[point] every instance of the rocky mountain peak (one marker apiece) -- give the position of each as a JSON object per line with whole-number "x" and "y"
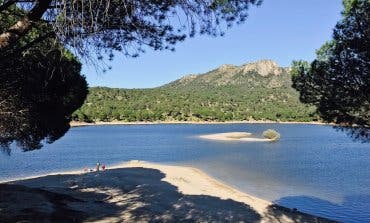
{"x": 228, "y": 73}
{"x": 263, "y": 67}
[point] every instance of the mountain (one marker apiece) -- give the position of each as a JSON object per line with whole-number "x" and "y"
{"x": 253, "y": 91}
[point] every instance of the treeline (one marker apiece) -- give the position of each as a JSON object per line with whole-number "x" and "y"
{"x": 252, "y": 97}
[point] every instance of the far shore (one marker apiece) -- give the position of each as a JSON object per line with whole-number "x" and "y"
{"x": 137, "y": 191}
{"x": 78, "y": 124}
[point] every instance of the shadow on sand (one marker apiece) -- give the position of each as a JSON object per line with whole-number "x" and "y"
{"x": 125, "y": 194}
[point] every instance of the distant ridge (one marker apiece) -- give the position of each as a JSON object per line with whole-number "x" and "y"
{"x": 258, "y": 90}
{"x": 227, "y": 73}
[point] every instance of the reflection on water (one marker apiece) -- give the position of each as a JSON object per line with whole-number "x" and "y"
{"x": 313, "y": 168}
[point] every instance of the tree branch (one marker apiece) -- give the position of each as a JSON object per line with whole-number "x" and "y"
{"x": 27, "y": 46}
{"x": 22, "y": 27}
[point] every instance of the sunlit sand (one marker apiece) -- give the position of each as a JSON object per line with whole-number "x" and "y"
{"x": 235, "y": 136}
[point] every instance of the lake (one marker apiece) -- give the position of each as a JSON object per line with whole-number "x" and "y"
{"x": 313, "y": 167}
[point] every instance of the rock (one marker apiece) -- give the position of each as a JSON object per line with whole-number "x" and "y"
{"x": 263, "y": 67}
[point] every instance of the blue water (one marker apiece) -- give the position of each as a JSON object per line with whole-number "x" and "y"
{"x": 312, "y": 168}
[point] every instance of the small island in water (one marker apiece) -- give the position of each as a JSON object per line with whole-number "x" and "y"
{"x": 269, "y": 135}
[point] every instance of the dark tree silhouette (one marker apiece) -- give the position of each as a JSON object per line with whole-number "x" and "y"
{"x": 338, "y": 81}
{"x": 38, "y": 94}
{"x": 40, "y": 88}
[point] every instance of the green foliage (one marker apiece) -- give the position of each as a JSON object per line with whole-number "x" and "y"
{"x": 338, "y": 81}
{"x": 323, "y": 53}
{"x": 271, "y": 134}
{"x": 348, "y": 5}
{"x": 219, "y": 95}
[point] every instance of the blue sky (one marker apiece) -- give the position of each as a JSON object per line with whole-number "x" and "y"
{"x": 281, "y": 30}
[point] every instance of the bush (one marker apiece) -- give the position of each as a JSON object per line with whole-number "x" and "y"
{"x": 271, "y": 134}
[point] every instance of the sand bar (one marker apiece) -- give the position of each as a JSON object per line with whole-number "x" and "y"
{"x": 234, "y": 136}
{"x": 137, "y": 191}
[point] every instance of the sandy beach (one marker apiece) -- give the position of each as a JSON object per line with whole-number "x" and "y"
{"x": 78, "y": 124}
{"x": 136, "y": 191}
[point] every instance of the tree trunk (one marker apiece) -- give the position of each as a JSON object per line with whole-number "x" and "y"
{"x": 15, "y": 32}
{"x": 21, "y": 28}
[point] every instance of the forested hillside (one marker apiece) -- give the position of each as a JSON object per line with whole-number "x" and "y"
{"x": 254, "y": 91}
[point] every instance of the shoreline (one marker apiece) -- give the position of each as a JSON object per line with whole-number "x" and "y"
{"x": 188, "y": 180}
{"x": 81, "y": 124}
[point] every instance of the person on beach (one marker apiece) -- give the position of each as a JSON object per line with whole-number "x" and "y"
{"x": 103, "y": 167}
{"x": 97, "y": 166}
